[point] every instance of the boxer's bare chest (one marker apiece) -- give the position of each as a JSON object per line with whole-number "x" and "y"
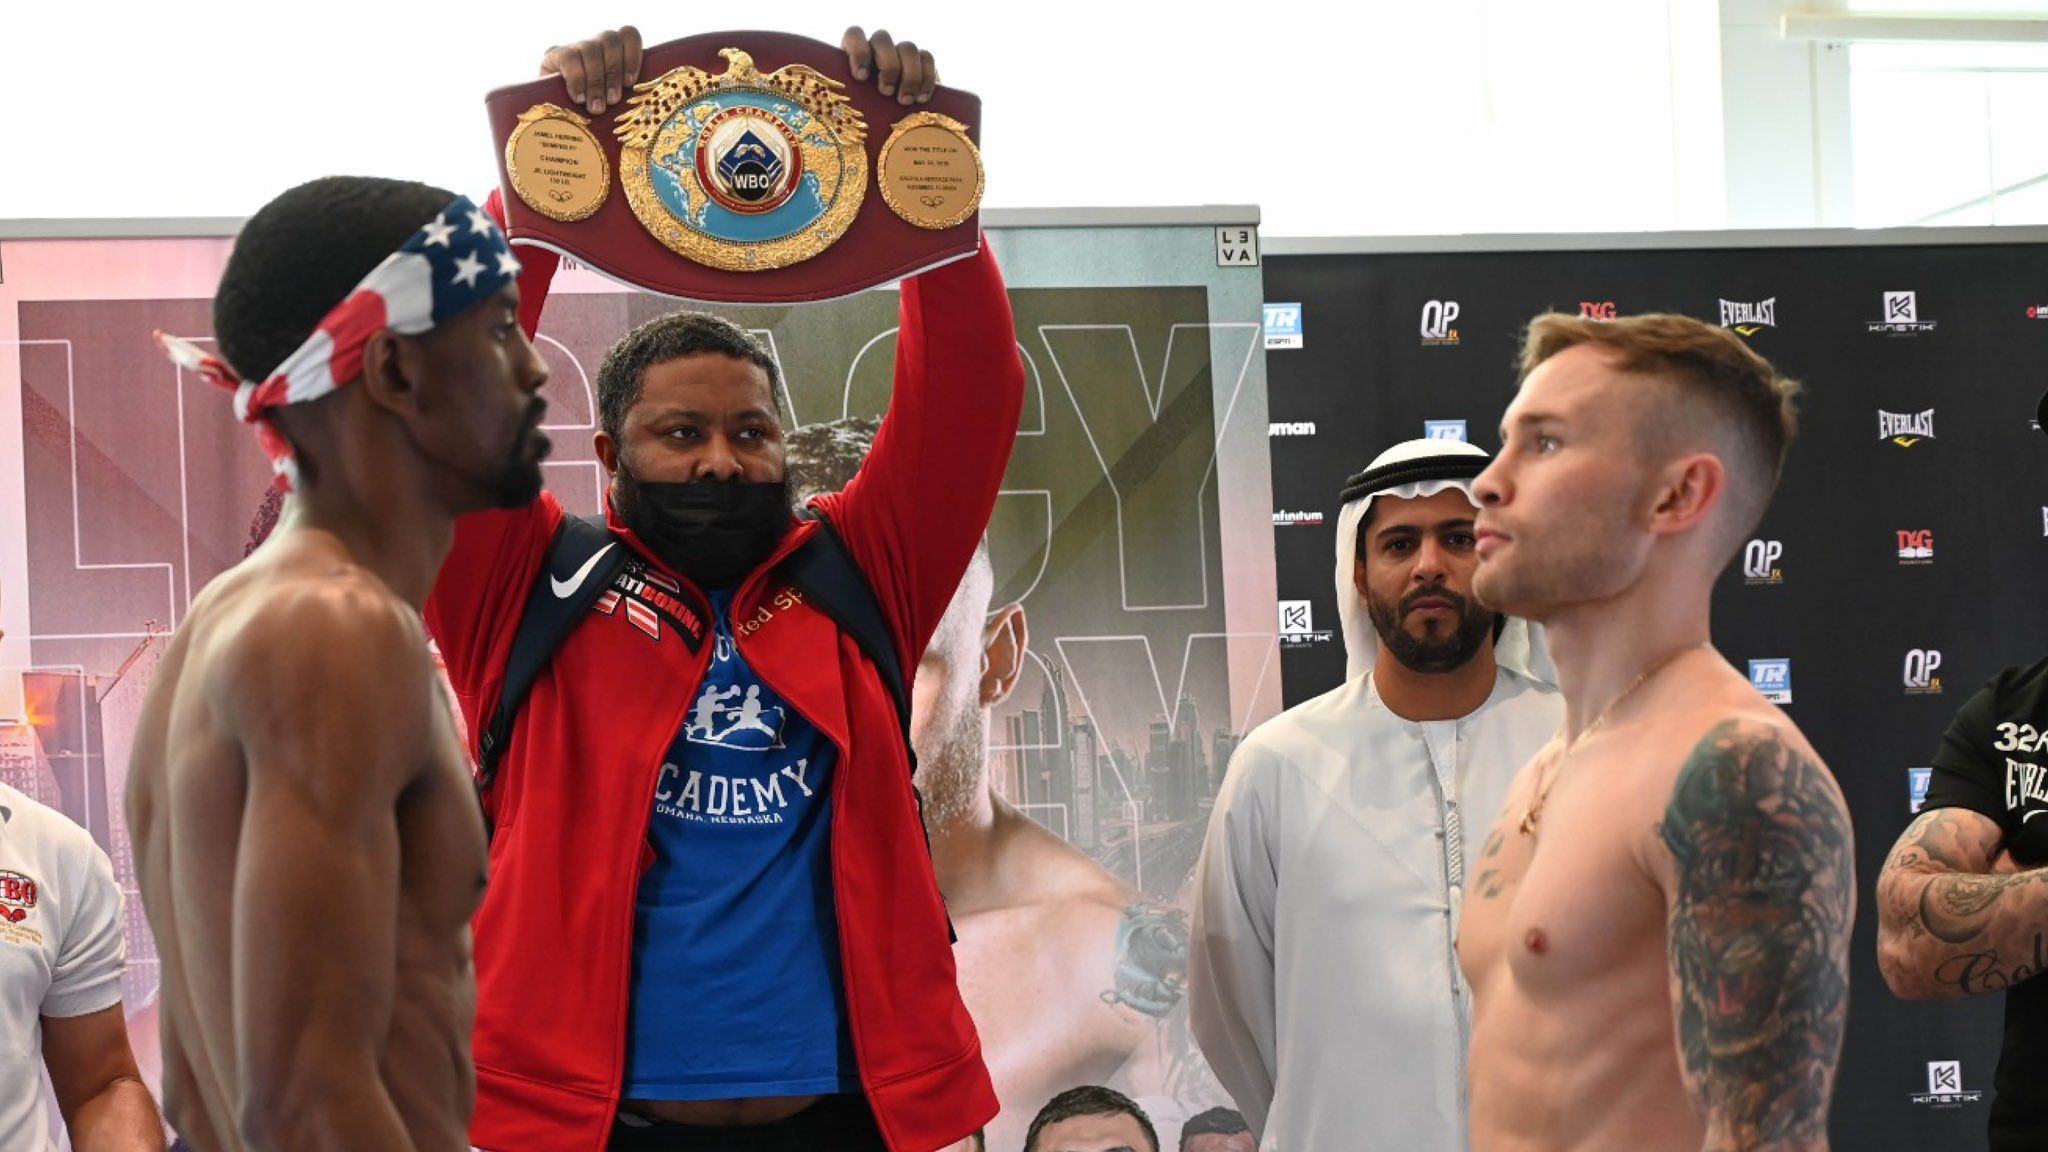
{"x": 1570, "y": 894}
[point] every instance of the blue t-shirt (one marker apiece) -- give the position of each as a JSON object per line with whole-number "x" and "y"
{"x": 736, "y": 982}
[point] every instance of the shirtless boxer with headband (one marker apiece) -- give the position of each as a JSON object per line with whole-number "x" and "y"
{"x": 305, "y": 828}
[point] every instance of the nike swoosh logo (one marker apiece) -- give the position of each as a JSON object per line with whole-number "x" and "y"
{"x": 567, "y": 588}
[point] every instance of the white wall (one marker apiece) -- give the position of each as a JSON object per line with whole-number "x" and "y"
{"x": 1378, "y": 116}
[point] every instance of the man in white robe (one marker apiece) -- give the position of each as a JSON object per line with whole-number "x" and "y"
{"x": 1324, "y": 984}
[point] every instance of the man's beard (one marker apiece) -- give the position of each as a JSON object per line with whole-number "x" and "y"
{"x": 518, "y": 483}
{"x": 952, "y": 767}
{"x": 1446, "y": 650}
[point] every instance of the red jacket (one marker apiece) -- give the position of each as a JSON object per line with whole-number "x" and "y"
{"x": 575, "y": 788}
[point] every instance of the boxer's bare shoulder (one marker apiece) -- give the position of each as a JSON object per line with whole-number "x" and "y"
{"x": 311, "y": 854}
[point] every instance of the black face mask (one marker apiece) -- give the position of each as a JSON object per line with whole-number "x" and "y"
{"x": 713, "y": 531}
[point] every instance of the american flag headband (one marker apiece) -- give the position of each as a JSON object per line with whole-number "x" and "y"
{"x": 454, "y": 262}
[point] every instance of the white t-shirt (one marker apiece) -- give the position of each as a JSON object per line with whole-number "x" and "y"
{"x": 61, "y": 951}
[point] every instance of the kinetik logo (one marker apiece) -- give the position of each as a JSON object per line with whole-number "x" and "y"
{"x": 1901, "y": 316}
{"x": 1905, "y": 428}
{"x": 1760, "y": 562}
{"x": 1749, "y": 319}
{"x": 1919, "y": 676}
{"x": 1596, "y": 310}
{"x": 1916, "y": 546}
{"x": 1298, "y": 626}
{"x": 1297, "y": 428}
{"x": 1284, "y": 519}
{"x": 1438, "y": 316}
{"x": 1945, "y": 1087}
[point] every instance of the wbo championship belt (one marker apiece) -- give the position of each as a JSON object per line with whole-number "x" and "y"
{"x": 749, "y": 169}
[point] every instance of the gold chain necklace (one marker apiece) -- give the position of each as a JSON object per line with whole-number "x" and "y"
{"x": 1535, "y": 811}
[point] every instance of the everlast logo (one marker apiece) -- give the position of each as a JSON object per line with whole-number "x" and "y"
{"x": 1905, "y": 428}
{"x": 1300, "y": 428}
{"x": 1601, "y": 310}
{"x": 1749, "y": 319}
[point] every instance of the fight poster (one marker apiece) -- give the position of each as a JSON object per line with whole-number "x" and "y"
{"x": 1132, "y": 540}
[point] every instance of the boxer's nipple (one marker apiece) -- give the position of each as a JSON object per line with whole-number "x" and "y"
{"x": 1537, "y": 942}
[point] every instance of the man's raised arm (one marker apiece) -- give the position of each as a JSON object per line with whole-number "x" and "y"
{"x": 1760, "y": 910}
{"x": 329, "y": 697}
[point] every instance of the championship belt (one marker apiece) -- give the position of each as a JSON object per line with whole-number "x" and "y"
{"x": 717, "y": 180}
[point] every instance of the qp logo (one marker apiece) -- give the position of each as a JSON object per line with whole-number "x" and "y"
{"x": 1760, "y": 562}
{"x": 1438, "y": 316}
{"x": 1919, "y": 676}
{"x": 1772, "y": 679}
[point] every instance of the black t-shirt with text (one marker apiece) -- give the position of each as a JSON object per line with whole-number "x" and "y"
{"x": 1994, "y": 762}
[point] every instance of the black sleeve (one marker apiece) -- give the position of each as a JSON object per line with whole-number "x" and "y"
{"x": 1969, "y": 772}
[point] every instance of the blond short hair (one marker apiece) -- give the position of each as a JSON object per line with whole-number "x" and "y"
{"x": 1746, "y": 405}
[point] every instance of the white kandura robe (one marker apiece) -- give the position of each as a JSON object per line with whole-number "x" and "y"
{"x": 1324, "y": 986}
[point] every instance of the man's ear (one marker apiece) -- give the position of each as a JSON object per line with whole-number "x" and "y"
{"x": 1002, "y": 654}
{"x": 1688, "y": 491}
{"x": 390, "y": 364}
{"x": 607, "y": 451}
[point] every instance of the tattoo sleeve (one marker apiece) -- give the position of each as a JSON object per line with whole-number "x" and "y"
{"x": 1951, "y": 923}
{"x": 1763, "y": 900}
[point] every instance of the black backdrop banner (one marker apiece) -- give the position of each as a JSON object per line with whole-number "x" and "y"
{"x": 1898, "y": 568}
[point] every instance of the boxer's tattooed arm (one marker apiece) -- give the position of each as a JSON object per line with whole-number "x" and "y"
{"x": 1951, "y": 921}
{"x": 1762, "y": 902}
{"x": 1151, "y": 959}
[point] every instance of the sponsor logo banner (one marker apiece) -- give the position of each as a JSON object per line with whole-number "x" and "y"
{"x": 1438, "y": 318}
{"x": 1772, "y": 678}
{"x": 1760, "y": 562}
{"x": 1283, "y": 326}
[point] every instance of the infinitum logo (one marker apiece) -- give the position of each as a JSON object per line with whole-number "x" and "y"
{"x": 1919, "y": 674}
{"x": 1901, "y": 316}
{"x": 1905, "y": 428}
{"x": 1298, "y": 428}
{"x": 1945, "y": 1087}
{"x": 1438, "y": 316}
{"x": 1749, "y": 319}
{"x": 1285, "y": 519}
{"x": 1760, "y": 562}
